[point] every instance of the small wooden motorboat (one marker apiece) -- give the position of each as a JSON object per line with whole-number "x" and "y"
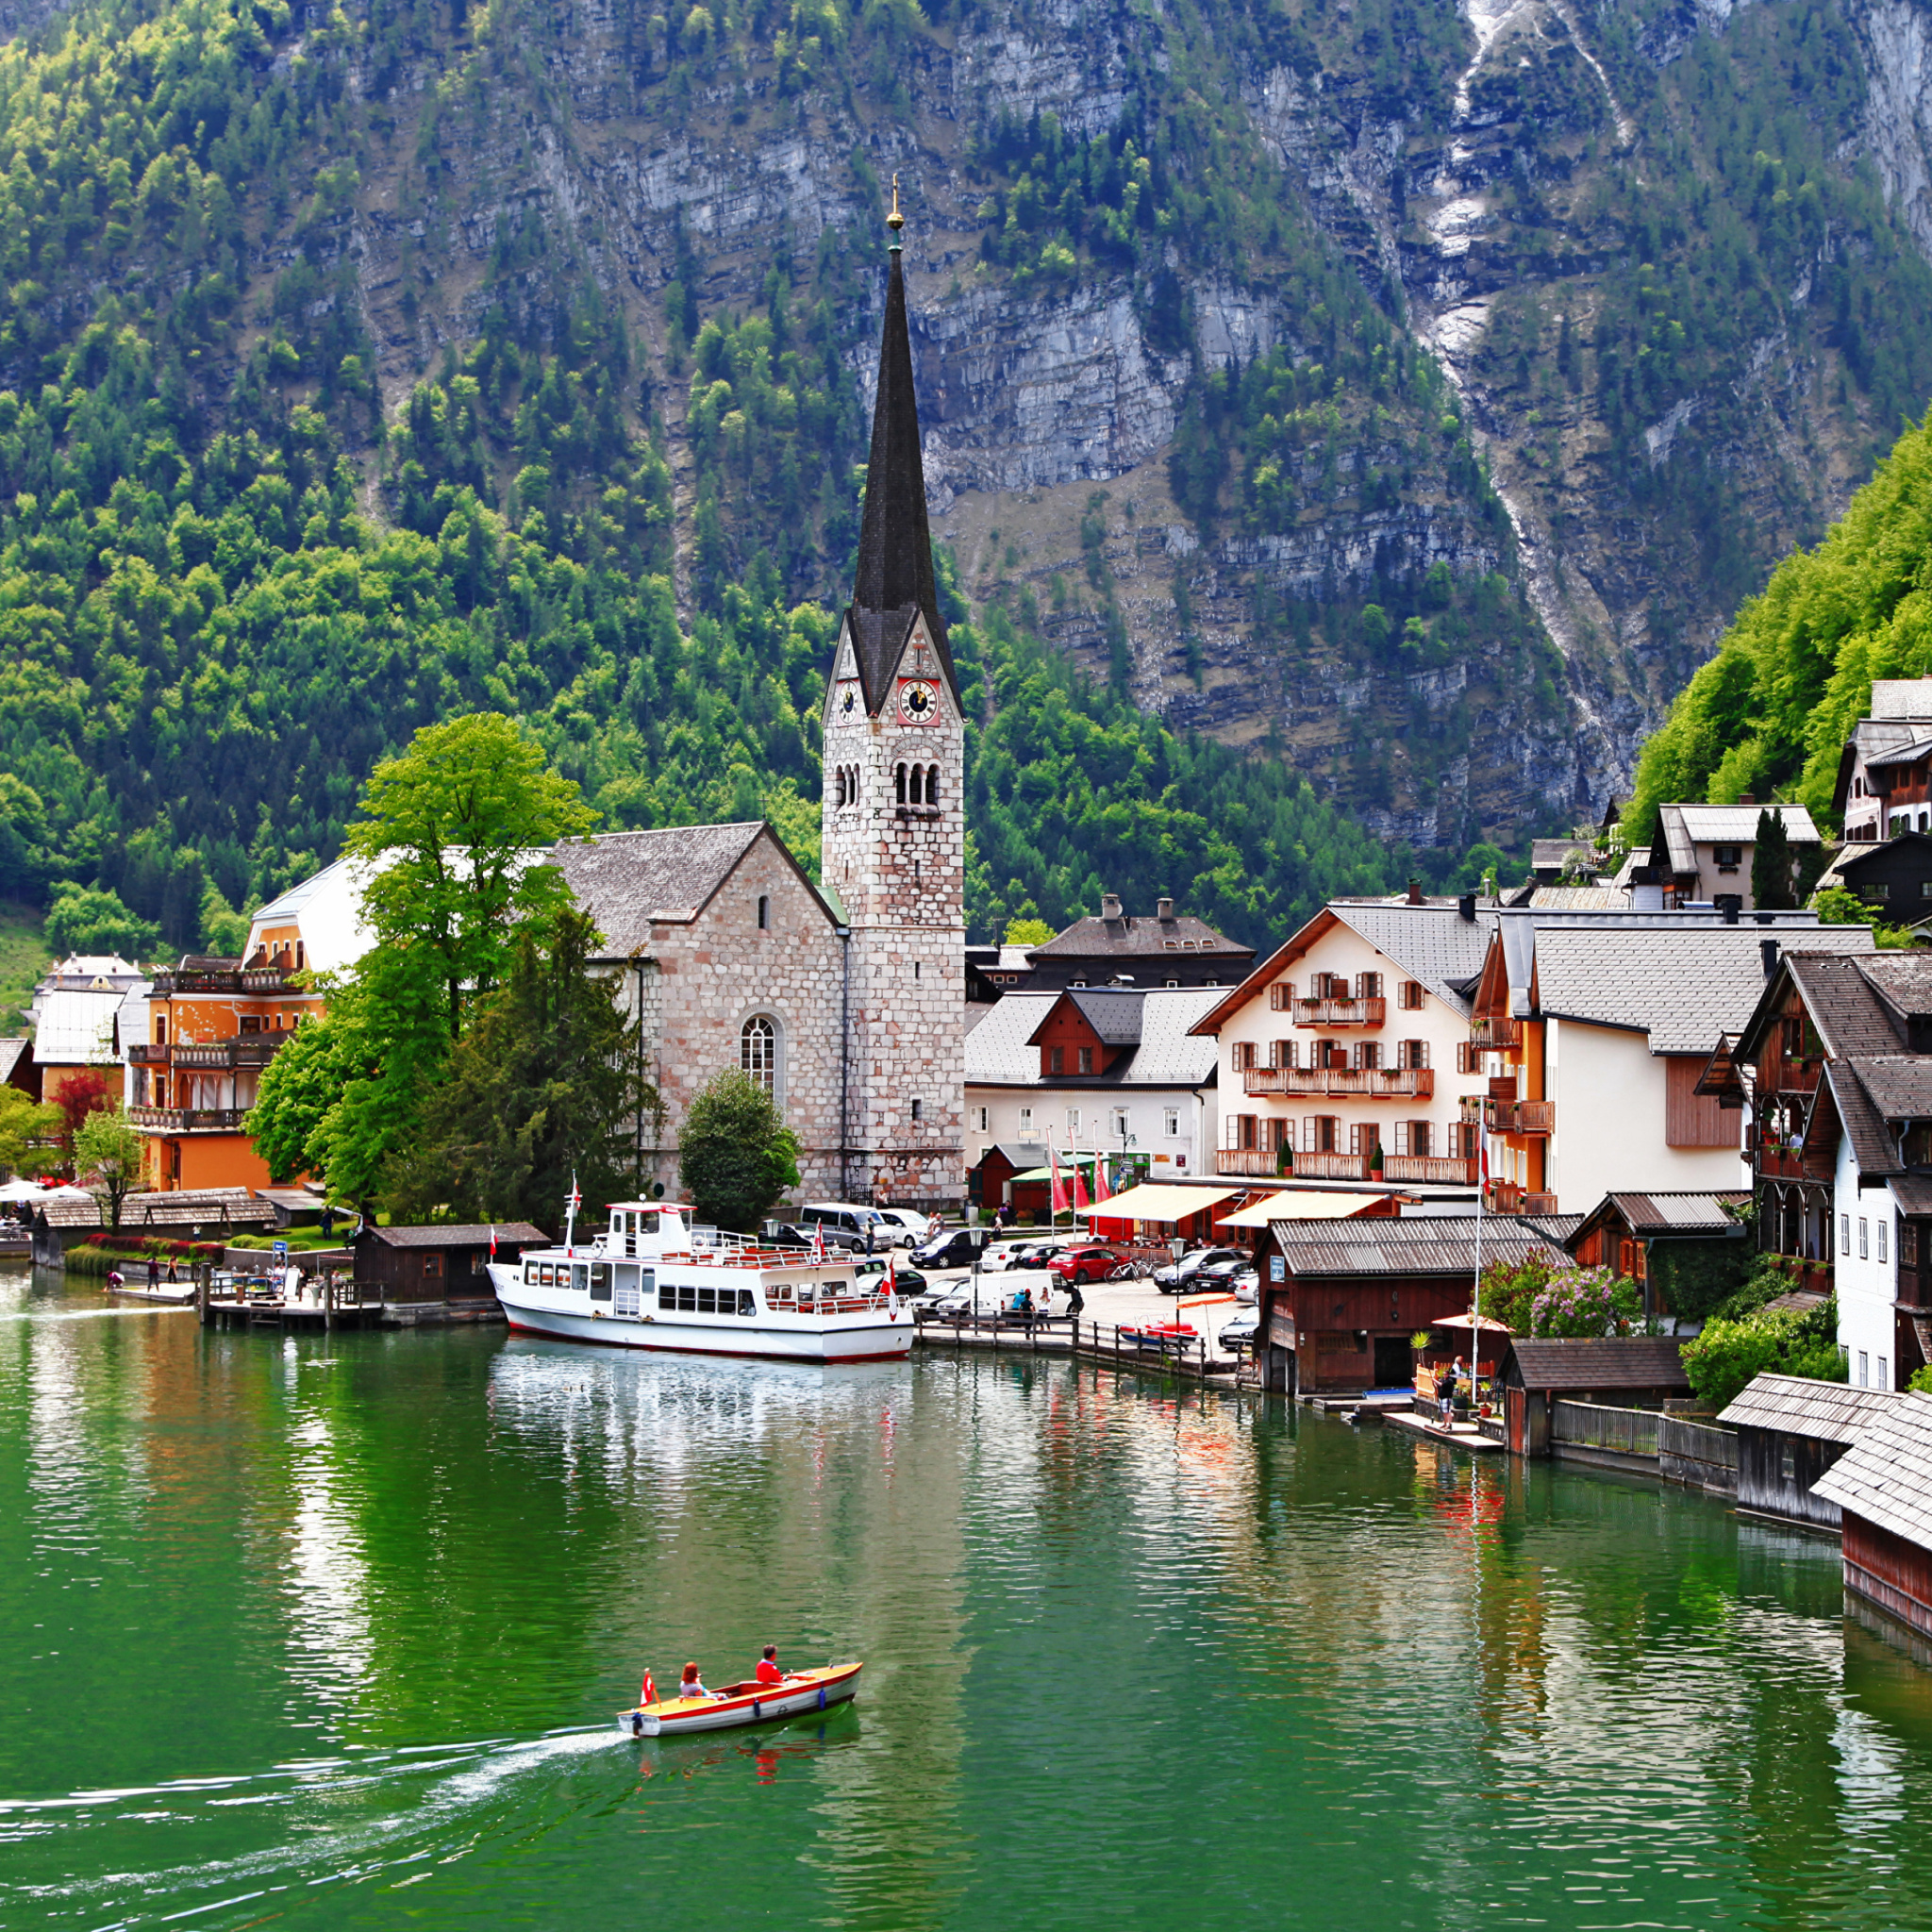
{"x": 1160, "y": 1335}
{"x": 743, "y": 1704}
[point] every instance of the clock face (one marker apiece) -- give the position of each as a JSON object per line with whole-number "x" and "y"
{"x": 919, "y": 701}
{"x": 847, "y": 702}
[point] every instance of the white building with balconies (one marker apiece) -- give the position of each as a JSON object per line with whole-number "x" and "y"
{"x": 1346, "y": 1054}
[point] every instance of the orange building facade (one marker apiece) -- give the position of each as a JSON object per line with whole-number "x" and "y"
{"x": 212, "y": 1025}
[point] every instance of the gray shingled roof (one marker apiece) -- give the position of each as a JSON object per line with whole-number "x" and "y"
{"x": 1863, "y": 1123}
{"x": 1827, "y": 1411}
{"x": 998, "y": 1053}
{"x": 1132, "y": 937}
{"x": 510, "y": 1234}
{"x": 1885, "y": 1476}
{"x": 1913, "y": 1193}
{"x": 178, "y": 1208}
{"x": 1900, "y": 1084}
{"x": 1682, "y": 985}
{"x": 625, "y": 880}
{"x": 1845, "y": 1009}
{"x": 1432, "y": 944}
{"x": 1903, "y": 979}
{"x": 1115, "y": 1016}
{"x": 11, "y": 1053}
{"x": 1906, "y": 753}
{"x": 1428, "y": 1244}
{"x": 1621, "y": 1362}
{"x": 1680, "y": 1213}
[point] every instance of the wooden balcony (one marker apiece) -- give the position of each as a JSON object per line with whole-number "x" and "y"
{"x": 1446, "y": 1169}
{"x": 1337, "y": 1012}
{"x": 147, "y": 1052}
{"x": 1259, "y": 1162}
{"x": 228, "y": 979}
{"x": 1507, "y": 1197}
{"x": 226, "y": 1056}
{"x": 1341, "y": 1083}
{"x": 189, "y": 1119}
{"x": 1511, "y": 1116}
{"x": 1495, "y": 1034}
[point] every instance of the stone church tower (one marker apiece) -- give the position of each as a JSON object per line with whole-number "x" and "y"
{"x": 895, "y": 835}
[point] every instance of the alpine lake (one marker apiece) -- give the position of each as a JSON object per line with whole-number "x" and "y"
{"x": 333, "y": 1633}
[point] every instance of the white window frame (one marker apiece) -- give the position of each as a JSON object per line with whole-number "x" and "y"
{"x": 761, "y": 1052}
{"x": 1026, "y": 1122}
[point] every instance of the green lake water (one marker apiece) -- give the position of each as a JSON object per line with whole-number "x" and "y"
{"x": 331, "y": 1632}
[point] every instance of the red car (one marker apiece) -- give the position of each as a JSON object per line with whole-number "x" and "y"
{"x": 1090, "y": 1264}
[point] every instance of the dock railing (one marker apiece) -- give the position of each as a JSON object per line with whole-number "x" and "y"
{"x": 1593, "y": 1425}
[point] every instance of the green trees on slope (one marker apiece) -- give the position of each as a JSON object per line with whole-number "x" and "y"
{"x": 1771, "y": 711}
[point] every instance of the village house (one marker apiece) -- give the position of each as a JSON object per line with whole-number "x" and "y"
{"x": 1614, "y": 1371}
{"x": 1686, "y": 1249}
{"x": 1170, "y": 950}
{"x": 1790, "y": 1431}
{"x": 1835, "y": 1068}
{"x": 1344, "y": 1055}
{"x": 1708, "y": 849}
{"x": 1894, "y": 876}
{"x": 75, "y": 1008}
{"x": 1117, "y": 1070}
{"x": 1594, "y": 1030}
{"x": 1867, "y": 801}
{"x": 196, "y": 1039}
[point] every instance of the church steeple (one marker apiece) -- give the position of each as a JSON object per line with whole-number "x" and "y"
{"x": 895, "y": 581}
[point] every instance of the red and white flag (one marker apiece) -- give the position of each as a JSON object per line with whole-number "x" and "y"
{"x": 1101, "y": 1190}
{"x": 493, "y": 1241}
{"x": 1059, "y": 1187}
{"x": 818, "y": 1245}
{"x": 1081, "y": 1204}
{"x": 649, "y": 1694}
{"x": 891, "y": 1285}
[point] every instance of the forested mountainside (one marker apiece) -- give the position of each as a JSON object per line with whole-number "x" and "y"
{"x": 1769, "y": 715}
{"x": 1376, "y": 394}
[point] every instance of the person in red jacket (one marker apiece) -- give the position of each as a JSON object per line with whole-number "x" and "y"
{"x": 769, "y": 1671}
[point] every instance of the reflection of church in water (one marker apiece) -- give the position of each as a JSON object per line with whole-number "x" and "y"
{"x": 847, "y": 1002}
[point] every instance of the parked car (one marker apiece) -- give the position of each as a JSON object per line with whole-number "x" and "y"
{"x": 911, "y": 1283}
{"x": 1179, "y": 1276}
{"x": 868, "y": 1223}
{"x": 1240, "y": 1333}
{"x": 838, "y": 1241}
{"x": 905, "y": 1227}
{"x": 1219, "y": 1276}
{"x": 955, "y": 1247}
{"x": 1247, "y": 1288}
{"x": 1027, "y": 1254}
{"x": 969, "y": 1298}
{"x": 1088, "y": 1264}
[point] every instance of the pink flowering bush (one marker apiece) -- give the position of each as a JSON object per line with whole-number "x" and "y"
{"x": 1582, "y": 1302}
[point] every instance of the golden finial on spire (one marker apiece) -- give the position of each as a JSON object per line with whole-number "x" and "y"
{"x": 896, "y": 221}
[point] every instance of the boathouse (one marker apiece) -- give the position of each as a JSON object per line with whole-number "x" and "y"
{"x": 1620, "y": 1372}
{"x": 1353, "y": 1292}
{"x": 181, "y": 1213}
{"x": 1790, "y": 1431}
{"x": 1687, "y": 1250}
{"x": 436, "y": 1264}
{"x": 1880, "y": 1486}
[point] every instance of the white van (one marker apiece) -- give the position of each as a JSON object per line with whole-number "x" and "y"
{"x": 905, "y": 1226}
{"x": 868, "y": 1223}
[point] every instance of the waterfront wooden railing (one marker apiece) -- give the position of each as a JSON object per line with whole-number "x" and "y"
{"x": 1595, "y": 1425}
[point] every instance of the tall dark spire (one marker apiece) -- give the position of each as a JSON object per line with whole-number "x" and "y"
{"x": 894, "y": 576}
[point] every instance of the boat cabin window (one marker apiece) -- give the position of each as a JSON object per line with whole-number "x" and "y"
{"x": 747, "y": 1302}
{"x": 578, "y": 1278}
{"x": 779, "y": 1294}
{"x": 667, "y": 1296}
{"x": 832, "y": 1287}
{"x": 687, "y": 1298}
{"x": 600, "y": 1280}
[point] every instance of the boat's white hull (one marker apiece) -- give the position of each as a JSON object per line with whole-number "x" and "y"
{"x": 771, "y": 1338}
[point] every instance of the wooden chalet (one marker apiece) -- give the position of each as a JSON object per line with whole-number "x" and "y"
{"x": 1623, "y": 1371}
{"x": 1353, "y": 1292}
{"x": 1653, "y": 1236}
{"x": 436, "y": 1264}
{"x": 1882, "y": 1486}
{"x": 1789, "y": 1433}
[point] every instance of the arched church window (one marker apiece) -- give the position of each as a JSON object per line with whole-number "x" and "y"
{"x": 838, "y": 786}
{"x": 764, "y": 912}
{"x": 757, "y": 1051}
{"x": 932, "y": 784}
{"x": 899, "y": 783}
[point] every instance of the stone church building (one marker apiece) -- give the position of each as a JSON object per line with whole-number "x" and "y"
{"x": 845, "y": 1000}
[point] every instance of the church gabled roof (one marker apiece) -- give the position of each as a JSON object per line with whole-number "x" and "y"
{"x": 894, "y": 583}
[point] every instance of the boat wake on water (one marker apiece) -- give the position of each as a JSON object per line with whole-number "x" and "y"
{"x": 378, "y": 1818}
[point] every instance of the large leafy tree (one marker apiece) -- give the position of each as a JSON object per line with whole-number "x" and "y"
{"x": 736, "y": 1154}
{"x": 449, "y": 829}
{"x": 454, "y": 833}
{"x": 545, "y": 1086}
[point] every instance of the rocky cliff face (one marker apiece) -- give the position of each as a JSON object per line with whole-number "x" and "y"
{"x": 1659, "y": 266}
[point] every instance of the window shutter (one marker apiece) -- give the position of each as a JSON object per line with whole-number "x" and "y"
{"x": 1308, "y": 1140}
{"x": 1401, "y": 1137}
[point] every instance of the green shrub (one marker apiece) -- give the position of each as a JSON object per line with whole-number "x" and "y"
{"x": 1721, "y": 1360}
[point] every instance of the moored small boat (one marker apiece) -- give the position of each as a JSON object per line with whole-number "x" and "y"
{"x": 1161, "y": 1335}
{"x": 801, "y": 1691}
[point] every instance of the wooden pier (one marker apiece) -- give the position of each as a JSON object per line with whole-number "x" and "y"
{"x": 335, "y": 1303}
{"x": 1059, "y": 1334}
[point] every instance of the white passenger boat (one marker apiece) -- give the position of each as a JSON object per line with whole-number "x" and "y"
{"x": 653, "y": 1280}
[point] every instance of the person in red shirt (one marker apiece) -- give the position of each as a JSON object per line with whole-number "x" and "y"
{"x": 769, "y": 1671}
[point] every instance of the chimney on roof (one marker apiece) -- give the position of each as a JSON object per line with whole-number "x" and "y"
{"x": 1163, "y": 910}
{"x": 1415, "y": 890}
{"x": 1770, "y": 950}
{"x": 1730, "y": 905}
{"x": 1110, "y": 904}
{"x": 1745, "y": 798}
{"x": 1465, "y": 908}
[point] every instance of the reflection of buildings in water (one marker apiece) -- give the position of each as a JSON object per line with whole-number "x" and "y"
{"x": 324, "y": 1574}
{"x": 817, "y": 1509}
